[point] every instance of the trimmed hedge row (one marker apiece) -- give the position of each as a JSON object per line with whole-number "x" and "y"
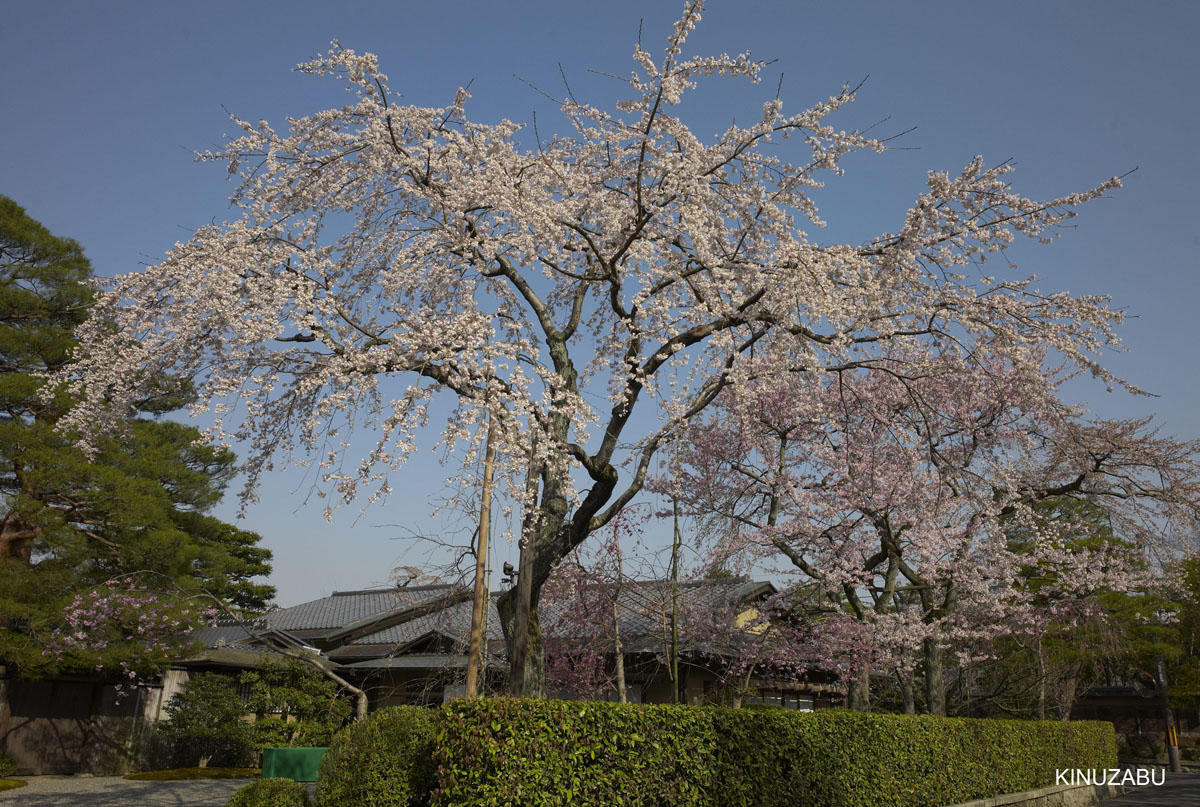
{"x": 495, "y": 752}
{"x": 838, "y": 757}
{"x": 534, "y": 753}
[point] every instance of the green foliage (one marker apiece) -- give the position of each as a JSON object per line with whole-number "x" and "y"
{"x": 271, "y": 793}
{"x": 204, "y": 723}
{"x": 844, "y": 758}
{"x": 498, "y": 752}
{"x": 294, "y": 705}
{"x": 7, "y": 766}
{"x": 530, "y": 752}
{"x": 1183, "y": 674}
{"x": 385, "y": 760}
{"x": 69, "y": 522}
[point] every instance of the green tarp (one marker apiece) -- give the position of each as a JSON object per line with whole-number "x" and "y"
{"x": 297, "y": 764}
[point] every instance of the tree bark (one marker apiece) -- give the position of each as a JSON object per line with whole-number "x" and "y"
{"x": 618, "y": 650}
{"x": 16, "y": 540}
{"x": 859, "y": 692}
{"x": 935, "y": 685}
{"x": 906, "y": 692}
{"x": 619, "y": 653}
{"x": 1041, "y": 707}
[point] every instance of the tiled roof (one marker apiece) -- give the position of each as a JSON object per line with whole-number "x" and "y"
{"x": 343, "y": 607}
{"x": 642, "y": 605}
{"x": 454, "y": 621}
{"x": 222, "y": 636}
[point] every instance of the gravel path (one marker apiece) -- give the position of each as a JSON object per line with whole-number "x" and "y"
{"x": 113, "y": 791}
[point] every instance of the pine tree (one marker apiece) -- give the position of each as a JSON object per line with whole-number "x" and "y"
{"x": 67, "y": 523}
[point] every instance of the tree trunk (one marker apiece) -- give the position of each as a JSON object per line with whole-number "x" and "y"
{"x": 518, "y": 606}
{"x": 619, "y": 653}
{"x": 859, "y": 692}
{"x": 16, "y": 540}
{"x": 676, "y": 543}
{"x": 1041, "y": 707}
{"x": 618, "y": 650}
{"x": 906, "y": 691}
{"x": 522, "y": 634}
{"x": 527, "y": 661}
{"x": 935, "y": 686}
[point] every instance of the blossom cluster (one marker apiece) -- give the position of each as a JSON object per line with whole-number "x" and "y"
{"x": 127, "y": 620}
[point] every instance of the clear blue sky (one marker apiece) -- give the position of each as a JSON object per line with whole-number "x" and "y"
{"x": 104, "y": 103}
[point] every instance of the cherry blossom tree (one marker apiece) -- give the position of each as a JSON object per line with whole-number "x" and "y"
{"x": 387, "y": 256}
{"x": 905, "y": 497}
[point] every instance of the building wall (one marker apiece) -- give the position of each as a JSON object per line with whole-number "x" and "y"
{"x": 66, "y": 726}
{"x": 404, "y": 687}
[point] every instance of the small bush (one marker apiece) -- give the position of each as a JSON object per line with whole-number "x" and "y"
{"x": 7, "y": 766}
{"x": 271, "y": 793}
{"x": 385, "y": 760}
{"x": 204, "y": 724}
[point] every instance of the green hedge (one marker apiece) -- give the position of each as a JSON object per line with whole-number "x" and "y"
{"x": 385, "y": 760}
{"x": 533, "y": 753}
{"x": 515, "y": 752}
{"x": 849, "y": 759}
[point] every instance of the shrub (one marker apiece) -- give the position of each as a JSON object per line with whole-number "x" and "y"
{"x": 271, "y": 793}
{"x": 843, "y": 758}
{"x": 7, "y": 766}
{"x": 498, "y": 752}
{"x": 385, "y": 760}
{"x": 529, "y": 752}
{"x": 204, "y": 724}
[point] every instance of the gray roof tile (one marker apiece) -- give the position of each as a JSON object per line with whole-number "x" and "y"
{"x": 705, "y": 608}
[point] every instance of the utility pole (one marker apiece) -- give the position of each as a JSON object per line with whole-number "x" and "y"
{"x": 1172, "y": 735}
{"x": 475, "y": 655}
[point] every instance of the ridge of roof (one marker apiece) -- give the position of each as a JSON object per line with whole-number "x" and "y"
{"x": 389, "y": 589}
